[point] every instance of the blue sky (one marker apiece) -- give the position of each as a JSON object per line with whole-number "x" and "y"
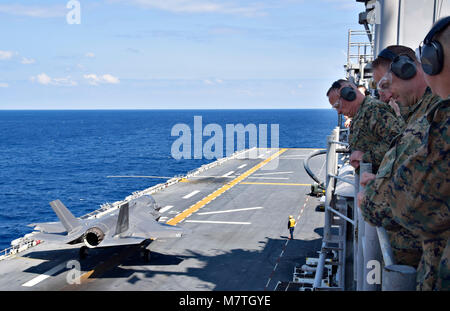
{"x": 173, "y": 54}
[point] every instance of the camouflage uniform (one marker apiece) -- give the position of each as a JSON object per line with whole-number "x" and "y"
{"x": 444, "y": 269}
{"x": 422, "y": 184}
{"x": 373, "y": 128}
{"x": 400, "y": 189}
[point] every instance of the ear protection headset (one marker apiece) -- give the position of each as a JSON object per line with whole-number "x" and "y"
{"x": 402, "y": 65}
{"x": 431, "y": 53}
{"x": 348, "y": 93}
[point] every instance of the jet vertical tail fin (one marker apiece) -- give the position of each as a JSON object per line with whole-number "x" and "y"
{"x": 123, "y": 219}
{"x": 68, "y": 220}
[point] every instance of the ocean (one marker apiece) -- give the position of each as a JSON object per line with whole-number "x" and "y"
{"x": 68, "y": 154}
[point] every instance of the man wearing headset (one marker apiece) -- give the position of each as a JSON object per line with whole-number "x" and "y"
{"x": 333, "y": 98}
{"x": 412, "y": 182}
{"x": 432, "y": 220}
{"x": 380, "y": 66}
{"x": 398, "y": 77}
{"x": 374, "y": 123}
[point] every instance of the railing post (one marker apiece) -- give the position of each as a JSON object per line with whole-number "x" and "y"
{"x": 355, "y": 232}
{"x": 331, "y": 166}
{"x": 360, "y": 255}
{"x": 399, "y": 278}
{"x": 371, "y": 249}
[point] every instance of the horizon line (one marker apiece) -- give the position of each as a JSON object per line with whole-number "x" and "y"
{"x": 134, "y": 109}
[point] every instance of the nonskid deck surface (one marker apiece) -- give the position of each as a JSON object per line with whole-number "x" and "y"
{"x": 238, "y": 237}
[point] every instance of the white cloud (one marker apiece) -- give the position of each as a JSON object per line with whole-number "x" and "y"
{"x": 27, "y": 61}
{"x": 44, "y": 79}
{"x": 212, "y": 81}
{"x": 93, "y": 79}
{"x": 4, "y": 85}
{"x": 33, "y": 11}
{"x": 90, "y": 55}
{"x": 198, "y": 6}
{"x": 209, "y": 82}
{"x": 4, "y": 55}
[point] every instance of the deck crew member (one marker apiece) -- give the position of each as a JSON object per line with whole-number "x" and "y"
{"x": 291, "y": 226}
{"x": 400, "y": 183}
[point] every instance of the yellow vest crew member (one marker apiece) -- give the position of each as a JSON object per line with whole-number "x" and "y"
{"x": 291, "y": 225}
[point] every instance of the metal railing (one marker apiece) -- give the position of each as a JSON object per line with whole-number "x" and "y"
{"x": 358, "y": 52}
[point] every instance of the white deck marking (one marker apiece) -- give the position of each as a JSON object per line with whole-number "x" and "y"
{"x": 292, "y": 158}
{"x": 256, "y": 177}
{"x": 231, "y": 210}
{"x": 220, "y": 222}
{"x": 165, "y": 208}
{"x": 187, "y": 196}
{"x": 243, "y": 165}
{"x": 45, "y": 275}
{"x": 272, "y": 173}
{"x": 228, "y": 174}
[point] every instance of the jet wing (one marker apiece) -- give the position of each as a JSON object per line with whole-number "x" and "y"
{"x": 55, "y": 238}
{"x": 49, "y": 227}
{"x": 117, "y": 240}
{"x": 152, "y": 229}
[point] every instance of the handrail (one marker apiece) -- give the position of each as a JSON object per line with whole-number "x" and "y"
{"x": 386, "y": 250}
{"x": 343, "y": 179}
{"x": 370, "y": 243}
{"x": 340, "y": 215}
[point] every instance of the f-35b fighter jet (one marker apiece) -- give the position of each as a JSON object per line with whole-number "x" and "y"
{"x": 135, "y": 222}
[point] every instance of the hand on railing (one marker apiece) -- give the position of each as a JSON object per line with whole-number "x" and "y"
{"x": 348, "y": 122}
{"x": 360, "y": 197}
{"x": 365, "y": 178}
{"x": 355, "y": 158}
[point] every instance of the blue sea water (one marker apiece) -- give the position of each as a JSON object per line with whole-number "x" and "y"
{"x": 46, "y": 155}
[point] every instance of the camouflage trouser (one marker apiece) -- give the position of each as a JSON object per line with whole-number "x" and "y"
{"x": 428, "y": 270}
{"x": 407, "y": 247}
{"x": 444, "y": 269}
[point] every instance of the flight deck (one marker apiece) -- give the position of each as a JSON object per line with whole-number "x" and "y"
{"x": 236, "y": 216}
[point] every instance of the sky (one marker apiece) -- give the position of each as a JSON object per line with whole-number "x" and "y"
{"x": 172, "y": 54}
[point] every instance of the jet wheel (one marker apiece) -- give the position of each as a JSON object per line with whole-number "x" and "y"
{"x": 146, "y": 255}
{"x": 83, "y": 252}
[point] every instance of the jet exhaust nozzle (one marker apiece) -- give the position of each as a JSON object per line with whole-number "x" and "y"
{"x": 93, "y": 237}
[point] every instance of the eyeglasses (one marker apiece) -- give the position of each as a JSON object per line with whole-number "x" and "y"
{"x": 337, "y": 104}
{"x": 419, "y": 52}
{"x": 385, "y": 82}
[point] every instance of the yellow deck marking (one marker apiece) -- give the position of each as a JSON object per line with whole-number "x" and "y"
{"x": 207, "y": 199}
{"x": 306, "y": 148}
{"x": 273, "y": 183}
{"x": 221, "y": 190}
